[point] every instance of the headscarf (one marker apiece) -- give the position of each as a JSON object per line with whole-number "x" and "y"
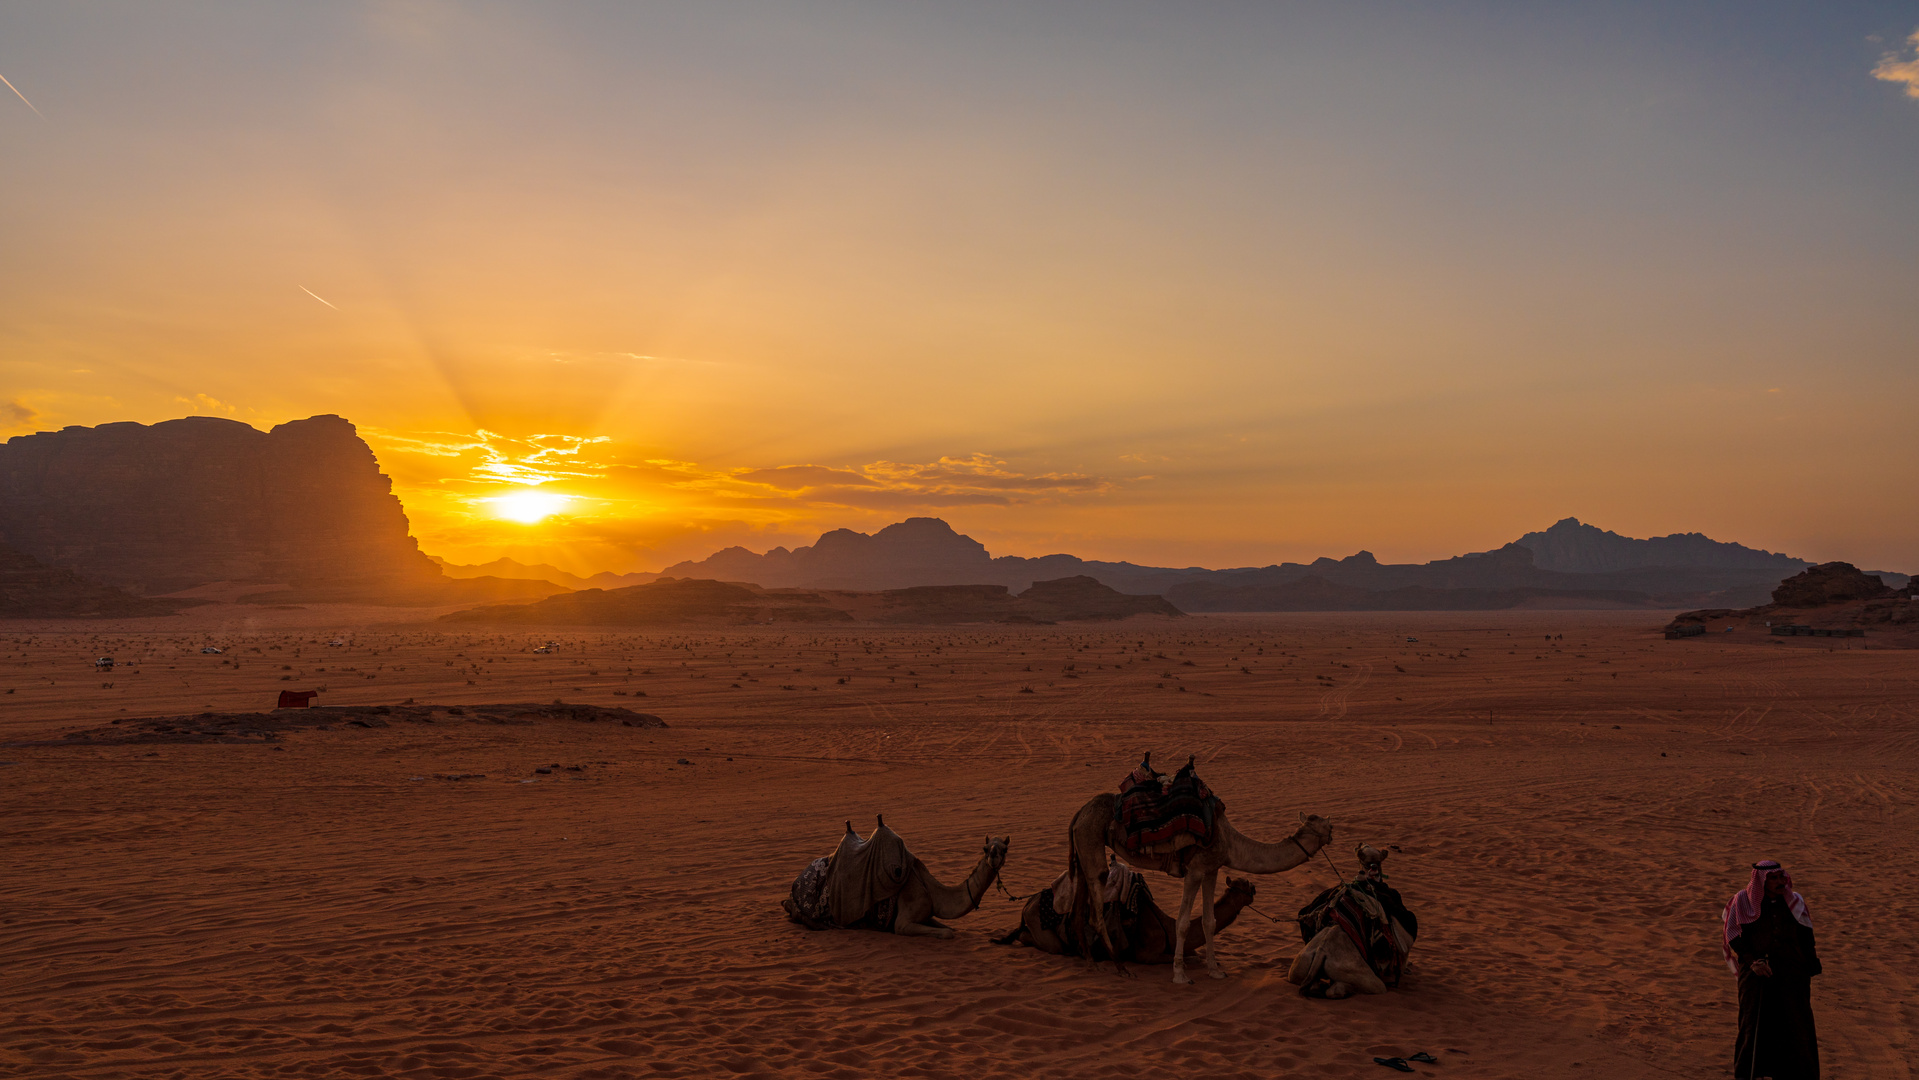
{"x": 1744, "y": 906}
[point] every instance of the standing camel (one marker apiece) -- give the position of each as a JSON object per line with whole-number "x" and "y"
{"x": 1092, "y": 833}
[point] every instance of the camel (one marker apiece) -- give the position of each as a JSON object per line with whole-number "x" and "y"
{"x": 1092, "y": 832}
{"x": 1148, "y": 934}
{"x": 877, "y": 884}
{"x": 1331, "y": 965}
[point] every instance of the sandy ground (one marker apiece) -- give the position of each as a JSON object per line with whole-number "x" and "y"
{"x": 1574, "y": 799}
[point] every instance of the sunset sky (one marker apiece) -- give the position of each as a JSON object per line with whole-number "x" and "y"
{"x": 1186, "y": 283}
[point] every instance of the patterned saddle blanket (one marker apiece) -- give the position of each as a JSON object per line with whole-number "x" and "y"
{"x": 1157, "y": 816}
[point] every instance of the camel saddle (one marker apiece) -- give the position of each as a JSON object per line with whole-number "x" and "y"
{"x": 857, "y": 885}
{"x": 1156, "y": 816}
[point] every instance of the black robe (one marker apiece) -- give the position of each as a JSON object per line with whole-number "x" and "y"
{"x": 1776, "y": 1035}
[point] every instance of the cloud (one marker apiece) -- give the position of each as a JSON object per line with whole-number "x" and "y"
{"x": 981, "y": 473}
{"x": 500, "y": 459}
{"x": 1892, "y": 69}
{"x": 800, "y": 477}
{"x": 950, "y": 481}
{"x": 16, "y": 413}
{"x": 206, "y": 405}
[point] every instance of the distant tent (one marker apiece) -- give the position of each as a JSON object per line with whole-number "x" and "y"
{"x": 296, "y": 699}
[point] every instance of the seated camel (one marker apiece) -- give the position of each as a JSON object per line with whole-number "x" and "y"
{"x": 877, "y": 884}
{"x": 1143, "y": 932}
{"x": 1357, "y": 935}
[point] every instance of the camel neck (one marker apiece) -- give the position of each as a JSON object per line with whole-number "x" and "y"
{"x": 951, "y": 902}
{"x": 980, "y": 880}
{"x": 1258, "y": 857}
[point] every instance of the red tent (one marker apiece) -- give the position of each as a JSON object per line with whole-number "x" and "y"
{"x": 296, "y": 699}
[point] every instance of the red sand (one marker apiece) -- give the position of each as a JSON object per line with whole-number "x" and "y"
{"x": 1572, "y": 814}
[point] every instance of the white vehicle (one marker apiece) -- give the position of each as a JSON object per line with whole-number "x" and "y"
{"x": 337, "y": 643}
{"x": 544, "y": 649}
{"x": 211, "y": 651}
{"x": 105, "y": 663}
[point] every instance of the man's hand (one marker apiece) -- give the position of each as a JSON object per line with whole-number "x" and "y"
{"x": 1762, "y": 966}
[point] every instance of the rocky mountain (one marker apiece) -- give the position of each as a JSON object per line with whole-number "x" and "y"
{"x": 1617, "y": 572}
{"x": 917, "y": 551}
{"x": 511, "y": 570}
{"x": 160, "y": 508}
{"x": 1575, "y": 547}
{"x": 671, "y": 601}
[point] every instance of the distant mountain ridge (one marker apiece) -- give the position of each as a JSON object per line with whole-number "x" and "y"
{"x": 513, "y": 570}
{"x": 1577, "y": 548}
{"x": 670, "y": 601}
{"x": 1684, "y": 569}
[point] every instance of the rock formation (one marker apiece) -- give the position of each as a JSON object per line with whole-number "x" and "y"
{"x": 1828, "y": 583}
{"x": 1577, "y": 548}
{"x": 29, "y": 589}
{"x": 672, "y": 601}
{"x": 1821, "y": 601}
{"x": 1581, "y": 566}
{"x": 513, "y": 570}
{"x": 185, "y": 502}
{"x": 917, "y": 551}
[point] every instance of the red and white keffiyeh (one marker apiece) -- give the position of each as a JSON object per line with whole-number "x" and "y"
{"x": 1744, "y": 906}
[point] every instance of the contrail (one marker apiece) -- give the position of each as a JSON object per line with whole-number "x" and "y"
{"x": 22, "y": 97}
{"x": 316, "y": 296}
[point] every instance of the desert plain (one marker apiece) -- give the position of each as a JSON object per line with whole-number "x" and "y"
{"x": 1569, "y": 799}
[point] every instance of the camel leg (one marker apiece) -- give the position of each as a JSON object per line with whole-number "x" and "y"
{"x": 1332, "y": 956}
{"x": 913, "y": 929}
{"x": 1189, "y": 889}
{"x": 1209, "y": 923}
{"x": 1094, "y": 891}
{"x": 1307, "y": 964}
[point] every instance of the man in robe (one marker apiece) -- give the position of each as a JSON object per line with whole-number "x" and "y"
{"x": 1768, "y": 945}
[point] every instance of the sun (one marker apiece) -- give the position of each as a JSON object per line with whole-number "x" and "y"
{"x": 528, "y": 507}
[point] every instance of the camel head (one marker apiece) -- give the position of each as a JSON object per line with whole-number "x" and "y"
{"x": 995, "y": 850}
{"x": 1314, "y": 832}
{"x": 1241, "y": 888}
{"x": 1370, "y": 860}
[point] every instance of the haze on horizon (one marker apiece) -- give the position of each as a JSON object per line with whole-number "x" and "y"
{"x": 609, "y": 286}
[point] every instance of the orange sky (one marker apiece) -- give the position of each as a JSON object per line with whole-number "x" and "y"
{"x": 1222, "y": 291}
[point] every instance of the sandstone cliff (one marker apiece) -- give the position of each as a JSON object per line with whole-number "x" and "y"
{"x": 184, "y": 502}
{"x": 30, "y": 589}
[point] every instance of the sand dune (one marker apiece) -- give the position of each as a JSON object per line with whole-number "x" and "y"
{"x": 1571, "y": 815}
